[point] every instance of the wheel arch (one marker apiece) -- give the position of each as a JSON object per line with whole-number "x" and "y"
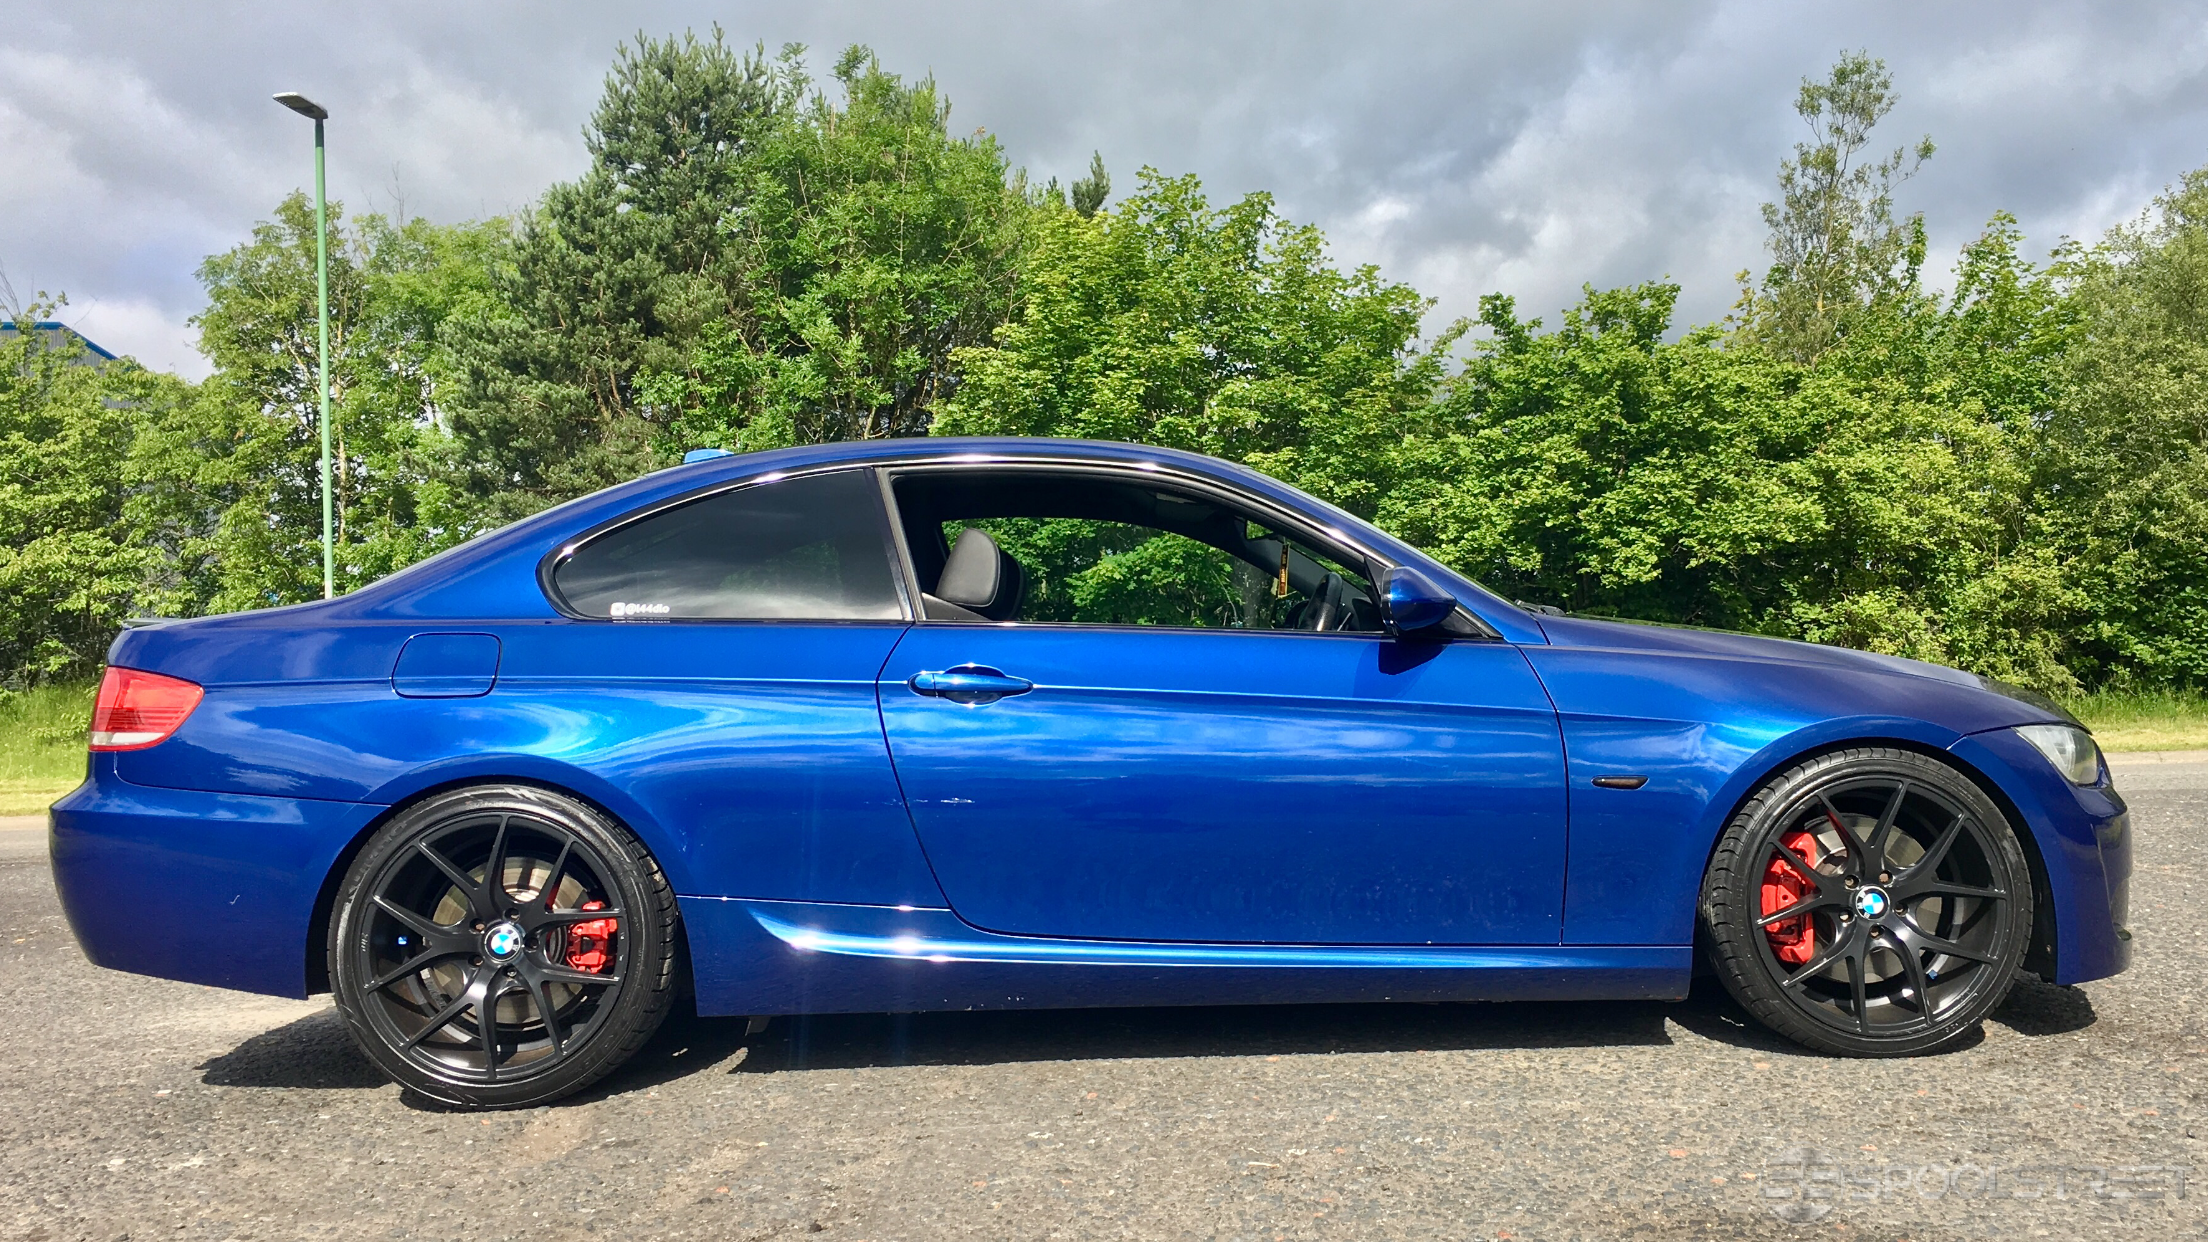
{"x": 1759, "y": 771}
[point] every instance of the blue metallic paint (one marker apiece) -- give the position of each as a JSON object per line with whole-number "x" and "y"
{"x": 1707, "y": 720}
{"x": 968, "y": 684}
{"x": 1146, "y": 785}
{"x": 1412, "y": 604}
{"x": 1235, "y": 785}
{"x": 748, "y": 755}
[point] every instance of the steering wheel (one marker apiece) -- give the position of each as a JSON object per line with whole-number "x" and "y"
{"x": 1324, "y": 611}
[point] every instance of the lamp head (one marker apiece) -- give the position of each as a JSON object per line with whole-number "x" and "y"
{"x": 302, "y": 105}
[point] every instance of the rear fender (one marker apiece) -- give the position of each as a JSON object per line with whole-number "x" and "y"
{"x": 669, "y": 847}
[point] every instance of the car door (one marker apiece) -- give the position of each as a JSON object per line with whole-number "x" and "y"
{"x": 1192, "y": 783}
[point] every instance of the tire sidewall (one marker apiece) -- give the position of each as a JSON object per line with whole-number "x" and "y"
{"x": 643, "y": 995}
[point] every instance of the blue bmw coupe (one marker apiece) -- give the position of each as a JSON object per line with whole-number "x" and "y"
{"x": 958, "y": 724}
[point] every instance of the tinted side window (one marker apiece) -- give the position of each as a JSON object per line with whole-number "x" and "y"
{"x": 809, "y": 548}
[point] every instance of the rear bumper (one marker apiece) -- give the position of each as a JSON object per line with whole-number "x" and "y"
{"x": 2084, "y": 839}
{"x": 209, "y": 888}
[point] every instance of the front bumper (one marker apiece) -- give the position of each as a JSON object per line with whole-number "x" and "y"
{"x": 209, "y": 888}
{"x": 2084, "y": 840}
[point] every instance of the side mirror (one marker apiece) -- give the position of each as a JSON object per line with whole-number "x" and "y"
{"x": 1412, "y": 606}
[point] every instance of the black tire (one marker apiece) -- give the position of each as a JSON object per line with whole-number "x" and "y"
{"x": 569, "y": 954}
{"x": 1909, "y": 923}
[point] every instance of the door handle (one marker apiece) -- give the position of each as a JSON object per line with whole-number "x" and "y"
{"x": 969, "y": 684}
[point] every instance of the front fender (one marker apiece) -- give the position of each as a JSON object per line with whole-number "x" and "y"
{"x": 1706, "y": 718}
{"x": 1637, "y": 856}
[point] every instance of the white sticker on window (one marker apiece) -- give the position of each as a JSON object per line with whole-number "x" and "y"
{"x": 621, "y": 610}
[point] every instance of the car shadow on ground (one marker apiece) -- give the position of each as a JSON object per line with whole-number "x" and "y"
{"x": 865, "y": 1041}
{"x": 855, "y": 1041}
{"x": 2035, "y": 1008}
{"x": 2032, "y": 1008}
{"x": 316, "y": 1052}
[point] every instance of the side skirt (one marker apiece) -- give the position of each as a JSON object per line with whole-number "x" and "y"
{"x": 779, "y": 957}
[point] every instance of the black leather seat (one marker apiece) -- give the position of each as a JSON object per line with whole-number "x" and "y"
{"x": 980, "y": 582}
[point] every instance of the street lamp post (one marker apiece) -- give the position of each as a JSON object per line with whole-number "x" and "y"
{"x": 317, "y": 113}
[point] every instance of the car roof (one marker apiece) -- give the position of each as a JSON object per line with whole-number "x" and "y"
{"x": 878, "y": 452}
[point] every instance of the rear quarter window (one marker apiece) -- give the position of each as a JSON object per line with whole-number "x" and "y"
{"x": 809, "y": 548}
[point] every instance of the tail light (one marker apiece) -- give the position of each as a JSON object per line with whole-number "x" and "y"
{"x": 138, "y": 709}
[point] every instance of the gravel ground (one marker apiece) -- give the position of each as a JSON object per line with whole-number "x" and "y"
{"x": 145, "y": 1109}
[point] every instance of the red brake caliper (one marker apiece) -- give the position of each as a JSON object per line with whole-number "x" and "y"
{"x": 1793, "y": 940}
{"x": 589, "y": 943}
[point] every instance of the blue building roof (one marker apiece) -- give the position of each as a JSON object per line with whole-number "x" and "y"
{"x": 53, "y": 331}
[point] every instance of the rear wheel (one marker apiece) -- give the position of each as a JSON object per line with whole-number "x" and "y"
{"x": 1870, "y": 902}
{"x": 503, "y": 946}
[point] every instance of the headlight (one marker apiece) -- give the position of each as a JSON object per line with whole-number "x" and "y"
{"x": 2070, "y": 749}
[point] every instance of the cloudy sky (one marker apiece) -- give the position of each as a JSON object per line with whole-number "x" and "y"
{"x": 1465, "y": 148}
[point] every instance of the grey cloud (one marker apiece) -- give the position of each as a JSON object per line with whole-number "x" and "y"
{"x": 1464, "y": 149}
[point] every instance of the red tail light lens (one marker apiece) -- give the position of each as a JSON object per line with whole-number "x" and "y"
{"x": 139, "y": 709}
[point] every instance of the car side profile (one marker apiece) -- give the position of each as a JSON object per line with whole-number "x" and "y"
{"x": 964, "y": 723}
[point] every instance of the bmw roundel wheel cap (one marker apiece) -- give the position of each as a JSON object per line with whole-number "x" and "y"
{"x": 503, "y": 941}
{"x": 1871, "y": 902}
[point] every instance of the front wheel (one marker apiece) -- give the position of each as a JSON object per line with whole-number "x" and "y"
{"x": 1869, "y": 902}
{"x": 502, "y": 946}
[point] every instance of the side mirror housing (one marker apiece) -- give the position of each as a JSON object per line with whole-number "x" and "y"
{"x": 1412, "y": 606}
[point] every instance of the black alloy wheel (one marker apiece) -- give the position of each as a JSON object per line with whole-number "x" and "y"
{"x": 500, "y": 947}
{"x": 1868, "y": 902}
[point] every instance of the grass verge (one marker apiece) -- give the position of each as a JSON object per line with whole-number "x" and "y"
{"x": 2153, "y": 721}
{"x": 42, "y": 745}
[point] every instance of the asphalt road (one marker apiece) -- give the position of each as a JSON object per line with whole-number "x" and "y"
{"x": 144, "y": 1109}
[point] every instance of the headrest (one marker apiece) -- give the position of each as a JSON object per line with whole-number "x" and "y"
{"x": 981, "y": 576}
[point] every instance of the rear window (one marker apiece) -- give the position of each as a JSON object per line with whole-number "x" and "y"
{"x": 810, "y": 548}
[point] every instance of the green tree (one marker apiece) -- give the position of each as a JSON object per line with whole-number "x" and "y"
{"x": 2127, "y": 444}
{"x": 2012, "y": 478}
{"x": 1833, "y": 236}
{"x": 616, "y": 275}
{"x": 1881, "y": 497}
{"x": 871, "y": 244}
{"x": 228, "y": 483}
{"x": 1602, "y": 469}
{"x": 1089, "y": 193}
{"x": 1226, "y": 331}
{"x": 72, "y": 565}
{"x": 1992, "y": 589}
{"x": 1223, "y": 330}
